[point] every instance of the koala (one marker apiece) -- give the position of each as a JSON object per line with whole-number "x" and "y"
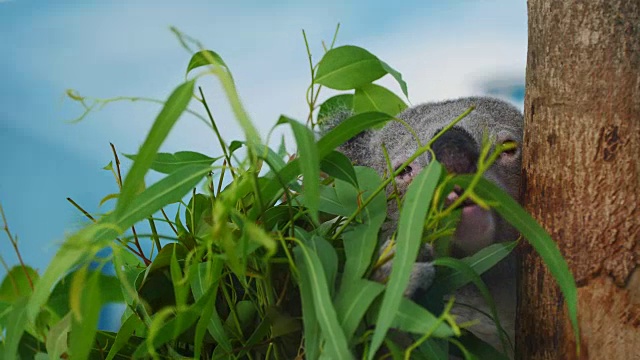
{"x": 458, "y": 150}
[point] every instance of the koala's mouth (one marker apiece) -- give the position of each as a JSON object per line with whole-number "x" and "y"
{"x": 476, "y": 228}
{"x": 454, "y": 195}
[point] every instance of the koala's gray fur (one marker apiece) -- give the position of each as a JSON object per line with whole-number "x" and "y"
{"x": 499, "y": 121}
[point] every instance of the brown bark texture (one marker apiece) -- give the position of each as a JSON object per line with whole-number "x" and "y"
{"x": 581, "y": 167}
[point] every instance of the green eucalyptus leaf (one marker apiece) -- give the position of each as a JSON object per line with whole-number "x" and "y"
{"x": 311, "y": 269}
{"x": 208, "y": 276}
{"x": 17, "y": 283}
{"x": 328, "y": 257}
{"x": 353, "y": 302}
{"x": 167, "y": 163}
{"x": 417, "y": 201}
{"x": 235, "y": 145}
{"x": 124, "y": 334}
{"x": 173, "y": 108}
{"x": 85, "y": 320}
{"x": 372, "y": 97}
{"x": 310, "y": 321}
{"x": 329, "y": 202}
{"x": 59, "y": 298}
{"x": 480, "y": 262}
{"x": 349, "y": 128}
{"x": 348, "y": 67}
{"x": 276, "y": 216}
{"x": 396, "y": 75}
{"x": 163, "y": 259}
{"x": 204, "y": 58}
{"x": 512, "y": 212}
{"x": 337, "y": 104}
{"x": 337, "y": 165}
{"x": 413, "y": 318}
{"x": 197, "y": 212}
{"x": 309, "y": 164}
{"x": 361, "y": 240}
{"x": 16, "y": 323}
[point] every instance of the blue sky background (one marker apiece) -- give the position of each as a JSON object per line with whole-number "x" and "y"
{"x": 107, "y": 49}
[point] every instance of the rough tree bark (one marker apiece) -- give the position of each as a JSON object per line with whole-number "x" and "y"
{"x": 582, "y": 171}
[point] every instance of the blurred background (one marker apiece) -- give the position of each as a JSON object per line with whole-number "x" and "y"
{"x": 444, "y": 49}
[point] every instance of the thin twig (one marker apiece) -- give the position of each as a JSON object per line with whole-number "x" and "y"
{"x": 83, "y": 211}
{"x": 115, "y": 156}
{"x": 215, "y": 129}
{"x": 14, "y": 243}
{"x": 133, "y": 229}
{"x": 169, "y": 221}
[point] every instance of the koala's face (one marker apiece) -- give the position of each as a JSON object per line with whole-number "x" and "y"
{"x": 458, "y": 150}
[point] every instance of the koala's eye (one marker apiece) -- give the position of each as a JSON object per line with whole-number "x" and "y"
{"x": 406, "y": 171}
{"x": 513, "y": 148}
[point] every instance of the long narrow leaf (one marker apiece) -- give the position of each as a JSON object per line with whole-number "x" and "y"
{"x": 336, "y": 341}
{"x": 511, "y": 211}
{"x": 124, "y": 334}
{"x": 309, "y": 164}
{"x": 173, "y": 108}
{"x": 209, "y": 274}
{"x": 354, "y": 301}
{"x": 167, "y": 163}
{"x": 311, "y": 327}
{"x": 416, "y": 204}
{"x": 339, "y": 166}
{"x": 413, "y": 318}
{"x": 220, "y": 69}
{"x": 361, "y": 240}
{"x": 83, "y": 329}
{"x": 57, "y": 341}
{"x": 480, "y": 262}
{"x": 348, "y": 129}
{"x": 16, "y": 323}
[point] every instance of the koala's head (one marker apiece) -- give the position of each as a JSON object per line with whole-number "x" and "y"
{"x": 458, "y": 150}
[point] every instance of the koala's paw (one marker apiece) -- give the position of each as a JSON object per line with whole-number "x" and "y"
{"x": 421, "y": 278}
{"x": 422, "y": 274}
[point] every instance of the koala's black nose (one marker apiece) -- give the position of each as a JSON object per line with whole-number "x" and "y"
{"x": 457, "y": 151}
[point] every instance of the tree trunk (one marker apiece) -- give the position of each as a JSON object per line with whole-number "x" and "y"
{"x": 582, "y": 177}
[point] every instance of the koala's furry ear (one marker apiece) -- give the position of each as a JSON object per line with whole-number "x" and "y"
{"x": 356, "y": 148}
